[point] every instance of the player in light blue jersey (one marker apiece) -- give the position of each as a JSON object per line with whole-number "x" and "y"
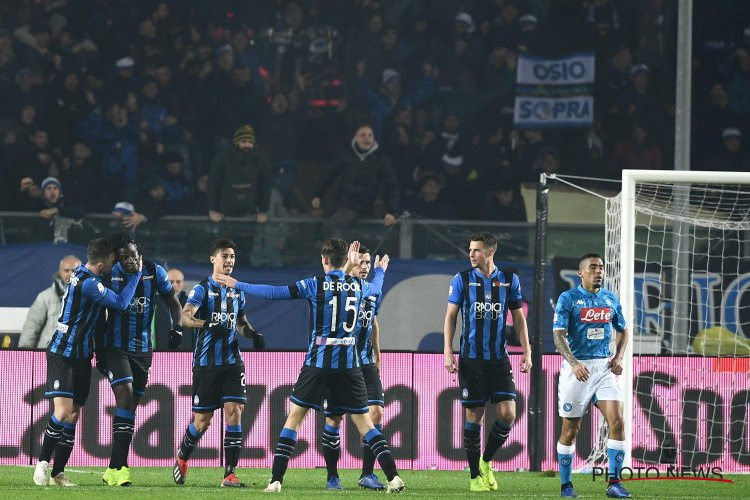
{"x": 587, "y": 316}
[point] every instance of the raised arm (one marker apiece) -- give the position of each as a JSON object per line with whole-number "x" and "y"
{"x": 107, "y": 298}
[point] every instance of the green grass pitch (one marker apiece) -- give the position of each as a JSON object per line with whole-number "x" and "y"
{"x": 16, "y": 483}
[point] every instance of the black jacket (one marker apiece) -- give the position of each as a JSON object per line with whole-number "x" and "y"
{"x": 362, "y": 179}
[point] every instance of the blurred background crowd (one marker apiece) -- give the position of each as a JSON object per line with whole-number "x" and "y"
{"x": 342, "y": 109}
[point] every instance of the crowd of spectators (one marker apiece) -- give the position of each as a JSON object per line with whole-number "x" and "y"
{"x": 214, "y": 108}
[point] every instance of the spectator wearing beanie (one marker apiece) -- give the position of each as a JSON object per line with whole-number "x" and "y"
{"x": 239, "y": 182}
{"x": 52, "y": 203}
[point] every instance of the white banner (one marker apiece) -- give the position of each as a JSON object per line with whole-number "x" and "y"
{"x": 553, "y": 111}
{"x": 574, "y": 70}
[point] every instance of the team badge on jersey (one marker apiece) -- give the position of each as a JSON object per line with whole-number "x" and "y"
{"x": 488, "y": 295}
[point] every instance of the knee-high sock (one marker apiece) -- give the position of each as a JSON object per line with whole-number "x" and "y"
{"x": 123, "y": 427}
{"x": 616, "y": 455}
{"x": 472, "y": 446}
{"x": 495, "y": 439}
{"x": 189, "y": 441}
{"x": 64, "y": 448}
{"x": 565, "y": 462}
{"x": 52, "y": 435}
{"x": 284, "y": 450}
{"x": 232, "y": 448}
{"x": 368, "y": 459}
{"x": 379, "y": 448}
{"x": 331, "y": 449}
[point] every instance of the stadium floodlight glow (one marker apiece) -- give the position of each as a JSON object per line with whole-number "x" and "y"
{"x": 678, "y": 255}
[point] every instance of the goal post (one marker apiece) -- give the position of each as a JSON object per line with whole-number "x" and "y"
{"x": 662, "y": 220}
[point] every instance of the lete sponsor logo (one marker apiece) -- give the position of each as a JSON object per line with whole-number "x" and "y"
{"x": 596, "y": 315}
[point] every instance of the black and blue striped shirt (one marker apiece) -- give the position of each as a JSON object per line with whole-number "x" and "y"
{"x": 130, "y": 330}
{"x": 335, "y": 302}
{"x": 365, "y": 319}
{"x": 216, "y": 304}
{"x": 84, "y": 298}
{"x": 484, "y": 303}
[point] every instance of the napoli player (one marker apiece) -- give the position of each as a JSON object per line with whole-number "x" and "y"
{"x": 368, "y": 347}
{"x": 485, "y": 294}
{"x": 70, "y": 351}
{"x": 332, "y": 367}
{"x": 217, "y": 312}
{"x": 586, "y": 315}
{"x": 126, "y": 346}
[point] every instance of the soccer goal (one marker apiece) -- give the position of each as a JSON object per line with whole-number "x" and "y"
{"x": 678, "y": 255}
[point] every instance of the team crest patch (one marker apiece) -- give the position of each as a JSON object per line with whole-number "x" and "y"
{"x": 565, "y": 461}
{"x": 567, "y": 407}
{"x": 465, "y": 393}
{"x": 196, "y": 400}
{"x": 488, "y": 295}
{"x": 110, "y": 376}
{"x": 100, "y": 287}
{"x": 325, "y": 404}
{"x": 56, "y": 385}
{"x": 620, "y": 457}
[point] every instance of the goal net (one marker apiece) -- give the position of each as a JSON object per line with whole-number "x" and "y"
{"x": 678, "y": 255}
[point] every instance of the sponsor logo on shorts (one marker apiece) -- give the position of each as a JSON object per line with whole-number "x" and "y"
{"x": 596, "y": 315}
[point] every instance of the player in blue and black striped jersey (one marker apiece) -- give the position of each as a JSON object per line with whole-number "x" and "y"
{"x": 70, "y": 351}
{"x": 368, "y": 349}
{"x": 125, "y": 344}
{"x": 217, "y": 312}
{"x": 332, "y": 367}
{"x": 484, "y": 294}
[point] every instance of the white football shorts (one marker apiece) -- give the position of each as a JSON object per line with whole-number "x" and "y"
{"x": 574, "y": 395}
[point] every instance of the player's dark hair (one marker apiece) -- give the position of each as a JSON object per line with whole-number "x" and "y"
{"x": 99, "y": 250}
{"x": 121, "y": 240}
{"x": 222, "y": 244}
{"x": 486, "y": 238}
{"x": 335, "y": 250}
{"x": 363, "y": 249}
{"x": 589, "y": 256}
